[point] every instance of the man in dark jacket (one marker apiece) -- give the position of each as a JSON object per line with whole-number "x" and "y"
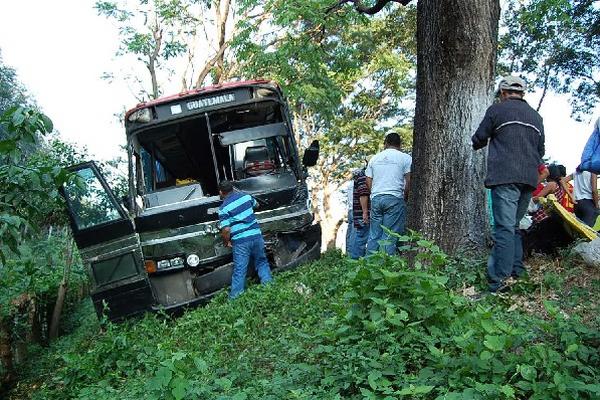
{"x": 515, "y": 134}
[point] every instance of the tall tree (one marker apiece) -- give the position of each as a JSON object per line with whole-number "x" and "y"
{"x": 555, "y": 44}
{"x": 345, "y": 75}
{"x": 456, "y": 57}
{"x": 189, "y": 40}
{"x": 153, "y": 32}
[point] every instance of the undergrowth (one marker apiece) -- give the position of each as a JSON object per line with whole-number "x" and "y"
{"x": 380, "y": 328}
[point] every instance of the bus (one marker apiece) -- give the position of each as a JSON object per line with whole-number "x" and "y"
{"x": 159, "y": 246}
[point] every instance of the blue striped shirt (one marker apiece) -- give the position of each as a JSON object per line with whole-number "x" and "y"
{"x": 237, "y": 213}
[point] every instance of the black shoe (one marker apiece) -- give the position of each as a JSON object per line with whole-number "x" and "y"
{"x": 502, "y": 289}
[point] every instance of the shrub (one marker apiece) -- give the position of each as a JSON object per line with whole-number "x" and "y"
{"x": 379, "y": 328}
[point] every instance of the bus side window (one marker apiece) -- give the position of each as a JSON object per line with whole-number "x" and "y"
{"x": 146, "y": 166}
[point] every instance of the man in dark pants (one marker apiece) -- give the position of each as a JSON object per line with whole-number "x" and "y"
{"x": 515, "y": 134}
{"x": 240, "y": 230}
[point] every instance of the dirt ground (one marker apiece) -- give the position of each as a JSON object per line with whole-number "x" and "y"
{"x": 566, "y": 280}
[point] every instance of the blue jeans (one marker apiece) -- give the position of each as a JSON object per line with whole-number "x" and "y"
{"x": 242, "y": 253}
{"x": 350, "y": 232}
{"x": 389, "y": 211}
{"x": 358, "y": 246}
{"x": 509, "y": 205}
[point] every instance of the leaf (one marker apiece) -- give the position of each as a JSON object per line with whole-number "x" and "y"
{"x": 200, "y": 364}
{"x": 163, "y": 376}
{"x": 7, "y": 146}
{"x": 508, "y": 391}
{"x": 375, "y": 314}
{"x": 435, "y": 351}
{"x": 528, "y": 372}
{"x": 488, "y": 325}
{"x": 225, "y": 383}
{"x": 485, "y": 355}
{"x": 390, "y": 275}
{"x": 368, "y": 394}
{"x": 495, "y": 343}
{"x": 559, "y": 381}
{"x": 180, "y": 386}
{"x": 412, "y": 390}
{"x": 48, "y": 125}
{"x": 572, "y": 348}
{"x": 18, "y": 116}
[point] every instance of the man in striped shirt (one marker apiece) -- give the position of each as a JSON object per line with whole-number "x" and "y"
{"x": 240, "y": 230}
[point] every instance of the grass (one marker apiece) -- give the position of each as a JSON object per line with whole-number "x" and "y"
{"x": 376, "y": 329}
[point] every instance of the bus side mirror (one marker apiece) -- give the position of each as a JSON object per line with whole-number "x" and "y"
{"x": 311, "y": 154}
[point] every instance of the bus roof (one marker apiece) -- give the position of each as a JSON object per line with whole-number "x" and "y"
{"x": 192, "y": 92}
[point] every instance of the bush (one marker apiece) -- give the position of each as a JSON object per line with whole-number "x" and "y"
{"x": 380, "y": 328}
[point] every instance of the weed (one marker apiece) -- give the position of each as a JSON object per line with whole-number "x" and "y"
{"x": 377, "y": 328}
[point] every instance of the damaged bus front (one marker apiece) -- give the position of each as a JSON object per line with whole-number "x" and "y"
{"x": 162, "y": 250}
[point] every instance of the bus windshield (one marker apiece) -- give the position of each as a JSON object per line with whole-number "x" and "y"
{"x": 234, "y": 144}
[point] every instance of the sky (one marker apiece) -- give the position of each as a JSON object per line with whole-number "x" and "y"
{"x": 61, "y": 48}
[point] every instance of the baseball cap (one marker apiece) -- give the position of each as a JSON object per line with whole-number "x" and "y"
{"x": 513, "y": 83}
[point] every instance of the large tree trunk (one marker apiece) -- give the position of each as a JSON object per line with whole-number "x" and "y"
{"x": 456, "y": 53}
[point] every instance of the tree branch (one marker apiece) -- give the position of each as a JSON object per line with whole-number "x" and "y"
{"x": 361, "y": 8}
{"x": 546, "y": 78}
{"x": 222, "y": 48}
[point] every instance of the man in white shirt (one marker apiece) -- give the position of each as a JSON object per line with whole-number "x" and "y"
{"x": 388, "y": 179}
{"x": 585, "y": 189}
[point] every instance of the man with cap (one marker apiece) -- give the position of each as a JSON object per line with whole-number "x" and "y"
{"x": 515, "y": 134}
{"x": 240, "y": 230}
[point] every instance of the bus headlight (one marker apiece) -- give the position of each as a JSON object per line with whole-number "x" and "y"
{"x": 193, "y": 260}
{"x": 143, "y": 115}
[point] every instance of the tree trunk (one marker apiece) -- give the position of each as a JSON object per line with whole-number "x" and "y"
{"x": 330, "y": 223}
{"x": 6, "y": 355}
{"x": 153, "y": 57}
{"x": 338, "y": 226}
{"x": 456, "y": 53}
{"x": 222, "y": 10}
{"x": 62, "y": 292}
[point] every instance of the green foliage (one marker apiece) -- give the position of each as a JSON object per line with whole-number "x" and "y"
{"x": 12, "y": 92}
{"x": 348, "y": 79}
{"x": 380, "y": 328}
{"x": 27, "y": 185}
{"x": 556, "y": 44}
{"x": 153, "y": 32}
{"x": 344, "y": 73}
{"x": 32, "y": 248}
{"x": 37, "y": 272}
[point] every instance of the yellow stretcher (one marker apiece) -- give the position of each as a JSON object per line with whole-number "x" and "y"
{"x": 597, "y": 224}
{"x": 572, "y": 225}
